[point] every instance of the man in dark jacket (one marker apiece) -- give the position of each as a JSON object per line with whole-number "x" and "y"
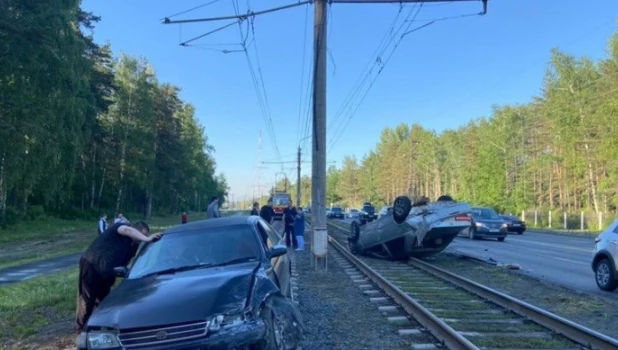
{"x": 255, "y": 211}
{"x": 289, "y": 215}
{"x": 268, "y": 213}
{"x": 115, "y": 247}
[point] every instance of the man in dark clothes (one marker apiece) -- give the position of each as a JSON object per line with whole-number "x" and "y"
{"x": 268, "y": 213}
{"x": 289, "y": 214}
{"x": 254, "y": 211}
{"x": 115, "y": 247}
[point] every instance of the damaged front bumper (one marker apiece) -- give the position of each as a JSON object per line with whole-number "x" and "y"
{"x": 237, "y": 336}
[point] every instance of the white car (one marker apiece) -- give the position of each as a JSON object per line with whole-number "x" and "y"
{"x": 353, "y": 214}
{"x": 605, "y": 256}
{"x": 384, "y": 210}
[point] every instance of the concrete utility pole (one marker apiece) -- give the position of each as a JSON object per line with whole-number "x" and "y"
{"x": 319, "y": 239}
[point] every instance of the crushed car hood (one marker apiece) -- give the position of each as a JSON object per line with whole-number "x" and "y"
{"x": 174, "y": 298}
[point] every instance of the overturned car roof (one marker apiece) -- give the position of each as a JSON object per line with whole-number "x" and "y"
{"x": 212, "y": 223}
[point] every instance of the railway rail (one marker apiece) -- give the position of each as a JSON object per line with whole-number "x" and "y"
{"x": 462, "y": 314}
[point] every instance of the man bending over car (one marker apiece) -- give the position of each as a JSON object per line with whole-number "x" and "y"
{"x": 115, "y": 247}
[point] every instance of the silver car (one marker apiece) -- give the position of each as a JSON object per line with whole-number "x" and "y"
{"x": 353, "y": 214}
{"x": 604, "y": 258}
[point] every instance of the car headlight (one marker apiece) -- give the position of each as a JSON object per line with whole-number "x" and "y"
{"x": 478, "y": 224}
{"x": 101, "y": 340}
{"x": 504, "y": 225}
{"x": 224, "y": 320}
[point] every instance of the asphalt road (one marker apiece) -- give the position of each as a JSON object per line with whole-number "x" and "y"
{"x": 560, "y": 259}
{"x": 39, "y": 268}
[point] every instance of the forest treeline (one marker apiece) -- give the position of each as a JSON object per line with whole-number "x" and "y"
{"x": 83, "y": 132}
{"x": 558, "y": 152}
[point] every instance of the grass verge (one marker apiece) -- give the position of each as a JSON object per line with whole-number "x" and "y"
{"x": 38, "y": 313}
{"x": 55, "y": 238}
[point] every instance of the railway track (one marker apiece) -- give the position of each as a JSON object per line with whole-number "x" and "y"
{"x": 459, "y": 313}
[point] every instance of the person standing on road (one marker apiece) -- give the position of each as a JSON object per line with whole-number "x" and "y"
{"x": 289, "y": 215}
{"x": 299, "y": 229}
{"x": 267, "y": 212}
{"x": 115, "y": 247}
{"x": 213, "y": 208}
{"x": 184, "y": 219}
{"x": 254, "y": 211}
{"x": 102, "y": 224}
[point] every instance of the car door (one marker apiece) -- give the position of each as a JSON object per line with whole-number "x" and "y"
{"x": 279, "y": 271}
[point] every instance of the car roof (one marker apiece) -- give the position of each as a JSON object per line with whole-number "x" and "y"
{"x": 213, "y": 223}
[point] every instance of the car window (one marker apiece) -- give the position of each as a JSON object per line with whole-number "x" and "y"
{"x": 485, "y": 213}
{"x": 211, "y": 246}
{"x": 272, "y": 236}
{"x": 616, "y": 229}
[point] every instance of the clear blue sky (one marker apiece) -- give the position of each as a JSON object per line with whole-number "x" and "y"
{"x": 440, "y": 76}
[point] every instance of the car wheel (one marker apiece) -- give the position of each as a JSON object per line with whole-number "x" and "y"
{"x": 605, "y": 276}
{"x": 472, "y": 233}
{"x": 401, "y": 208}
{"x": 501, "y": 239}
{"x": 520, "y": 232}
{"x": 275, "y": 337}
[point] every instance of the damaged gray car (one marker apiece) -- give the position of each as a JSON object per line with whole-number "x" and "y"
{"x": 211, "y": 284}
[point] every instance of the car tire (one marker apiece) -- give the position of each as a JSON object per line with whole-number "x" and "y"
{"x": 274, "y": 337}
{"x": 501, "y": 239}
{"x": 605, "y": 276}
{"x": 472, "y": 233}
{"x": 401, "y": 209}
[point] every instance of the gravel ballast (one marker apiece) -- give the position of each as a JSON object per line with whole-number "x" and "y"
{"x": 588, "y": 310}
{"x": 336, "y": 313}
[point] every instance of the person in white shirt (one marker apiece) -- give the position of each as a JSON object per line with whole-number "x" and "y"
{"x": 102, "y": 224}
{"x": 213, "y": 208}
{"x": 121, "y": 218}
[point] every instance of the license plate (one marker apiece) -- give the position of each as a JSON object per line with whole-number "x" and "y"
{"x": 494, "y": 231}
{"x": 516, "y": 225}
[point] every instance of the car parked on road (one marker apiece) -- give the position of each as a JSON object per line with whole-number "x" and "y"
{"x": 367, "y": 213}
{"x": 208, "y": 284}
{"x": 514, "y": 224}
{"x": 605, "y": 256}
{"x": 353, "y": 213}
{"x": 336, "y": 213}
{"x": 486, "y": 223}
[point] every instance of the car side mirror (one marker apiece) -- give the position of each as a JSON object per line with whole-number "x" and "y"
{"x": 277, "y": 251}
{"x": 121, "y": 271}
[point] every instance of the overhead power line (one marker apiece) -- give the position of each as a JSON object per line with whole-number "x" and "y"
{"x": 167, "y": 20}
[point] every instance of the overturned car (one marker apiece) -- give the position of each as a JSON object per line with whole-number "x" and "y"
{"x": 409, "y": 229}
{"x": 211, "y": 284}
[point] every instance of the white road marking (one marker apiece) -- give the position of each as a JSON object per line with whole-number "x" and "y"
{"x": 15, "y": 274}
{"x": 31, "y": 276}
{"x": 572, "y": 261}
